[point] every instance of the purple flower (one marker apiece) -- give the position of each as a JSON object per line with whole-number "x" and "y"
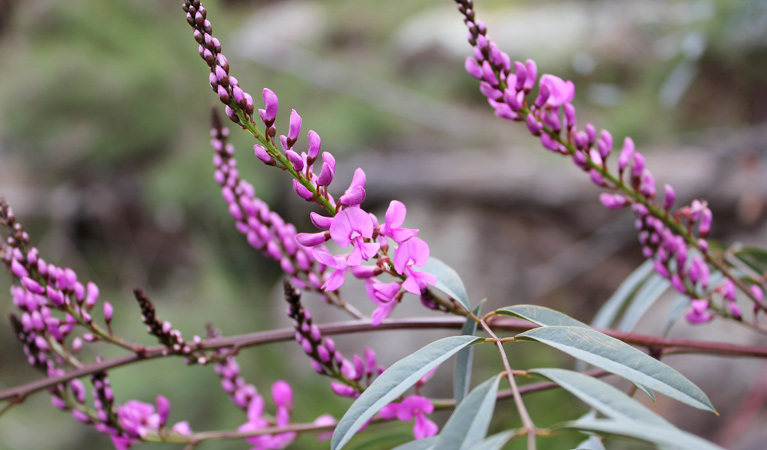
{"x": 295, "y": 126}
{"x": 473, "y": 68}
{"x": 383, "y": 295}
{"x": 323, "y": 420}
{"x": 417, "y": 406}
{"x": 355, "y": 194}
{"x": 698, "y": 312}
{"x": 353, "y": 226}
{"x": 560, "y": 91}
{"x": 395, "y": 217}
{"x": 413, "y": 253}
{"x": 271, "y": 105}
{"x": 338, "y": 277}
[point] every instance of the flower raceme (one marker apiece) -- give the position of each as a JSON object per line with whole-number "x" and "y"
{"x": 666, "y": 236}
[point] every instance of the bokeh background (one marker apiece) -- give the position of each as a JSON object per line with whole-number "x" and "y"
{"x": 104, "y": 156}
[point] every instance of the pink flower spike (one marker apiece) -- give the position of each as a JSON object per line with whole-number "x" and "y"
{"x": 295, "y": 126}
{"x": 282, "y": 394}
{"x": 394, "y": 218}
{"x": 560, "y": 91}
{"x": 473, "y": 68}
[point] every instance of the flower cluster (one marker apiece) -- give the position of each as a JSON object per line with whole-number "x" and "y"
{"x": 226, "y": 87}
{"x": 354, "y": 376}
{"x": 349, "y": 226}
{"x": 265, "y": 230}
{"x": 666, "y": 236}
{"x": 54, "y": 304}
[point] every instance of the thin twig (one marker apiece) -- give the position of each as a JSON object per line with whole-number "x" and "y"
{"x": 527, "y": 422}
{"x": 19, "y": 393}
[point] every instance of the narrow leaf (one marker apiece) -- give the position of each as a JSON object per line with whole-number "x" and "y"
{"x": 421, "y": 444}
{"x": 677, "y": 309}
{"x": 592, "y": 443}
{"x": 464, "y": 360}
{"x": 601, "y": 396}
{"x": 647, "y": 392}
{"x": 625, "y": 292}
{"x": 621, "y": 359}
{"x": 540, "y": 315}
{"x": 658, "y": 435}
{"x": 395, "y": 381}
{"x": 647, "y": 295}
{"x": 494, "y": 442}
{"x": 448, "y": 281}
{"x": 469, "y": 422}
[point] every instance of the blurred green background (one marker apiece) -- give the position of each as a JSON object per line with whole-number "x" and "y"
{"x": 104, "y": 155}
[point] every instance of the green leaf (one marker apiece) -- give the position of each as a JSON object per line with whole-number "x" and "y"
{"x": 421, "y": 444}
{"x": 464, "y": 360}
{"x": 601, "y": 396}
{"x": 395, "y": 381}
{"x": 658, "y": 435}
{"x": 621, "y": 359}
{"x": 469, "y": 422}
{"x": 540, "y": 315}
{"x": 448, "y": 281}
{"x": 647, "y": 295}
{"x": 625, "y": 292}
{"x": 494, "y": 442}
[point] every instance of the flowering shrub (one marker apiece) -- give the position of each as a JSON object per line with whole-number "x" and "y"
{"x": 57, "y": 314}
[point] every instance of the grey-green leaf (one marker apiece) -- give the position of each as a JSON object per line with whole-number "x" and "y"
{"x": 601, "y": 396}
{"x": 658, "y": 435}
{"x": 540, "y": 315}
{"x": 469, "y": 422}
{"x": 494, "y": 442}
{"x": 621, "y": 359}
{"x": 448, "y": 281}
{"x": 421, "y": 444}
{"x": 647, "y": 295}
{"x": 625, "y": 292}
{"x": 464, "y": 360}
{"x": 395, "y": 381}
{"x": 592, "y": 443}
